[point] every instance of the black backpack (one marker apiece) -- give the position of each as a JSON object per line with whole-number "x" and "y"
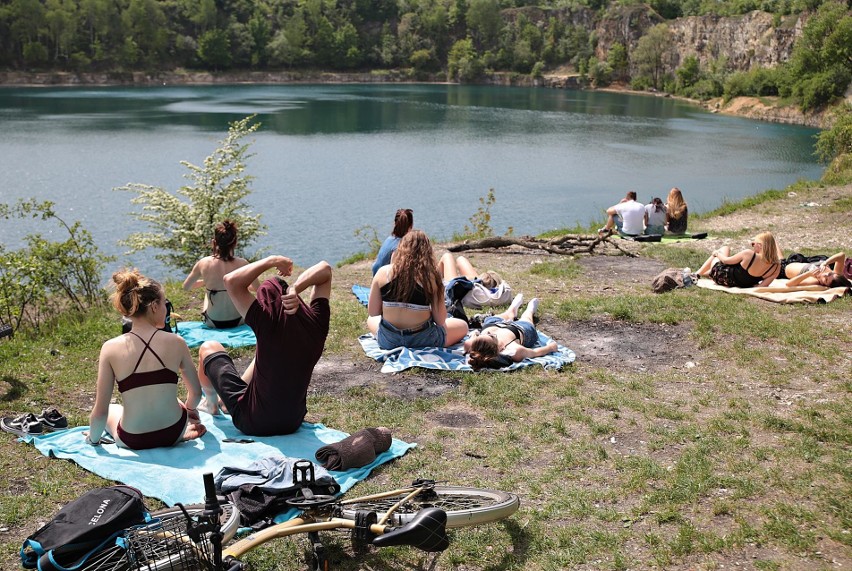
{"x": 83, "y": 527}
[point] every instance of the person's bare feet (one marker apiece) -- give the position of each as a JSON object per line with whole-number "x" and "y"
{"x": 209, "y": 407}
{"x": 194, "y": 431}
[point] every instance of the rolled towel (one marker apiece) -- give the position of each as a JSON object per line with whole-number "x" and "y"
{"x": 356, "y": 450}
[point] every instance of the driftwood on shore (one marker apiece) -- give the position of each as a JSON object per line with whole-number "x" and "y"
{"x": 566, "y": 245}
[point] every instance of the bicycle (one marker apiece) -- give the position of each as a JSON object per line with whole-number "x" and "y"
{"x": 191, "y": 538}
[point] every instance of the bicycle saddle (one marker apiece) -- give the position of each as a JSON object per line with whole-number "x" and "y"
{"x": 426, "y": 531}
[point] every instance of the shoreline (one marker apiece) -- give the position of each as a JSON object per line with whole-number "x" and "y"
{"x": 759, "y": 108}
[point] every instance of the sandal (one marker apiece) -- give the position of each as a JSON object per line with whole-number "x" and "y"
{"x": 24, "y": 425}
{"x": 53, "y": 419}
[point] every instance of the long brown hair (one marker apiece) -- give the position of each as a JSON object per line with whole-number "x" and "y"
{"x": 483, "y": 353}
{"x": 414, "y": 265}
{"x": 402, "y": 222}
{"x": 675, "y": 205}
{"x": 134, "y": 292}
{"x": 224, "y": 240}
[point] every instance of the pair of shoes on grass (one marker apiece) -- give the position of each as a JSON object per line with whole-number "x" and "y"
{"x": 29, "y": 424}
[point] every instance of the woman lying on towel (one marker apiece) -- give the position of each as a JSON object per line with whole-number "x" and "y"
{"x": 144, "y": 363}
{"x": 757, "y": 266}
{"x": 218, "y": 311}
{"x": 487, "y": 288}
{"x": 827, "y": 274}
{"x": 504, "y": 340}
{"x": 406, "y": 304}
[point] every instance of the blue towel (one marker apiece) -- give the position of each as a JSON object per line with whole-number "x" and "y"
{"x": 174, "y": 474}
{"x": 453, "y": 358}
{"x": 362, "y": 293}
{"x": 195, "y": 333}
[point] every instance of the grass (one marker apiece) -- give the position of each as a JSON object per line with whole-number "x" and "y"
{"x": 745, "y": 456}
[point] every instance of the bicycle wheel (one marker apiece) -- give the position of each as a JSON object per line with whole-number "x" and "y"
{"x": 159, "y": 554}
{"x": 464, "y": 506}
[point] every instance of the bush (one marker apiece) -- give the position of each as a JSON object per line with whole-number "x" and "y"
{"x": 182, "y": 230}
{"x": 836, "y": 141}
{"x": 45, "y": 278}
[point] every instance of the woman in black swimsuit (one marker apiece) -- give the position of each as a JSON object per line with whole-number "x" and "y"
{"x": 759, "y": 265}
{"x": 146, "y": 365}
{"x": 504, "y": 339}
{"x": 218, "y": 311}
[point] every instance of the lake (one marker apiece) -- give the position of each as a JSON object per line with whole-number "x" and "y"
{"x": 329, "y": 159}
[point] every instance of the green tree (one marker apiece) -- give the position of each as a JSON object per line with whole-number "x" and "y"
{"x": 616, "y": 57}
{"x": 484, "y": 22}
{"x": 214, "y": 49}
{"x": 820, "y": 67}
{"x": 463, "y": 63}
{"x": 688, "y": 73}
{"x": 653, "y": 54}
{"x": 181, "y": 229}
{"x": 836, "y": 141}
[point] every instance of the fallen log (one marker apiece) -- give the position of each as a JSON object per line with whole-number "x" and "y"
{"x": 567, "y": 245}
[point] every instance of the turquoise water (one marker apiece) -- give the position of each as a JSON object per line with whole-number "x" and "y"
{"x": 330, "y": 159}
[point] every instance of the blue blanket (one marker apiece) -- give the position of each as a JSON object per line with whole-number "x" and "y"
{"x": 453, "y": 358}
{"x": 362, "y": 293}
{"x": 195, "y": 333}
{"x": 175, "y": 474}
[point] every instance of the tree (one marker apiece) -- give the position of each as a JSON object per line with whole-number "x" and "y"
{"x": 182, "y": 229}
{"x": 463, "y": 63}
{"x": 484, "y": 22}
{"x": 688, "y": 73}
{"x": 653, "y": 53}
{"x": 214, "y": 49}
{"x": 836, "y": 141}
{"x": 617, "y": 60}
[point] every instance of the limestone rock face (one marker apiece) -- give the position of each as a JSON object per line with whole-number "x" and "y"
{"x": 751, "y": 40}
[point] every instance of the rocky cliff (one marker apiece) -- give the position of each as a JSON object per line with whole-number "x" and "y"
{"x": 755, "y": 39}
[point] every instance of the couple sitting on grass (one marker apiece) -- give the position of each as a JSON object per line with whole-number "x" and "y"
{"x": 407, "y": 309}
{"x": 146, "y": 363}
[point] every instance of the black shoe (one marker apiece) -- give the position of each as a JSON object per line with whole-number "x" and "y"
{"x": 53, "y": 419}
{"x": 24, "y": 425}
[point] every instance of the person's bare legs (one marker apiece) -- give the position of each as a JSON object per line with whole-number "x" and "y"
{"x": 456, "y": 330}
{"x": 529, "y": 312}
{"x": 512, "y": 312}
{"x": 704, "y": 270}
{"x": 447, "y": 267}
{"x": 466, "y": 269}
{"x": 211, "y": 403}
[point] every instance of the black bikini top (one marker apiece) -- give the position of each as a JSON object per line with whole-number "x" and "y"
{"x": 135, "y": 380}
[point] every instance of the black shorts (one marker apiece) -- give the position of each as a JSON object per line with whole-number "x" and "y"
{"x": 220, "y": 369}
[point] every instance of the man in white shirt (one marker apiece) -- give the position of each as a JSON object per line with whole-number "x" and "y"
{"x": 628, "y": 217}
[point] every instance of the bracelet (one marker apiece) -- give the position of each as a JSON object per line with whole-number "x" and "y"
{"x": 90, "y": 443}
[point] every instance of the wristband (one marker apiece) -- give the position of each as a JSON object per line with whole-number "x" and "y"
{"x": 90, "y": 443}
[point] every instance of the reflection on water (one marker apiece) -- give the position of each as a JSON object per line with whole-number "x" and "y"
{"x": 332, "y": 158}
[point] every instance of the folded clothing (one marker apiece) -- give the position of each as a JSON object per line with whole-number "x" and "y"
{"x": 356, "y": 450}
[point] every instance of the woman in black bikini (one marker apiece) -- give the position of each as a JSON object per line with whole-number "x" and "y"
{"x": 218, "y": 311}
{"x": 504, "y": 340}
{"x": 827, "y": 274}
{"x": 145, "y": 364}
{"x": 757, "y": 266}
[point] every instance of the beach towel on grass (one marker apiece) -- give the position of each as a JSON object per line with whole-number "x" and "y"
{"x": 779, "y": 293}
{"x": 195, "y": 333}
{"x": 174, "y": 474}
{"x": 362, "y": 293}
{"x": 452, "y": 358}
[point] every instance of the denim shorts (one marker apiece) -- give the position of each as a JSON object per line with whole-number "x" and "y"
{"x": 530, "y": 334}
{"x": 428, "y": 335}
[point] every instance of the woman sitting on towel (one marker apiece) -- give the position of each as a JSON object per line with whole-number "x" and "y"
{"x": 402, "y": 223}
{"x": 757, "y": 266}
{"x": 504, "y": 340}
{"x": 406, "y": 304}
{"x": 655, "y": 217}
{"x": 144, "y": 363}
{"x": 677, "y": 213}
{"x": 218, "y": 311}
{"x": 827, "y": 274}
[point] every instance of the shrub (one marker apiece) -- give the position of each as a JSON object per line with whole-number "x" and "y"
{"x": 45, "y": 277}
{"x": 836, "y": 141}
{"x": 182, "y": 229}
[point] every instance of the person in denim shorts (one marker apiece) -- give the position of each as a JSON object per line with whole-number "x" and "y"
{"x": 406, "y": 303}
{"x": 504, "y": 340}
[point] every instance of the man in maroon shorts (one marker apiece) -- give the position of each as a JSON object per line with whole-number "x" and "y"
{"x": 271, "y": 395}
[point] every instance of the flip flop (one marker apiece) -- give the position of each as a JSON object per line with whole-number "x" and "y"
{"x": 24, "y": 425}
{"x": 52, "y": 419}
